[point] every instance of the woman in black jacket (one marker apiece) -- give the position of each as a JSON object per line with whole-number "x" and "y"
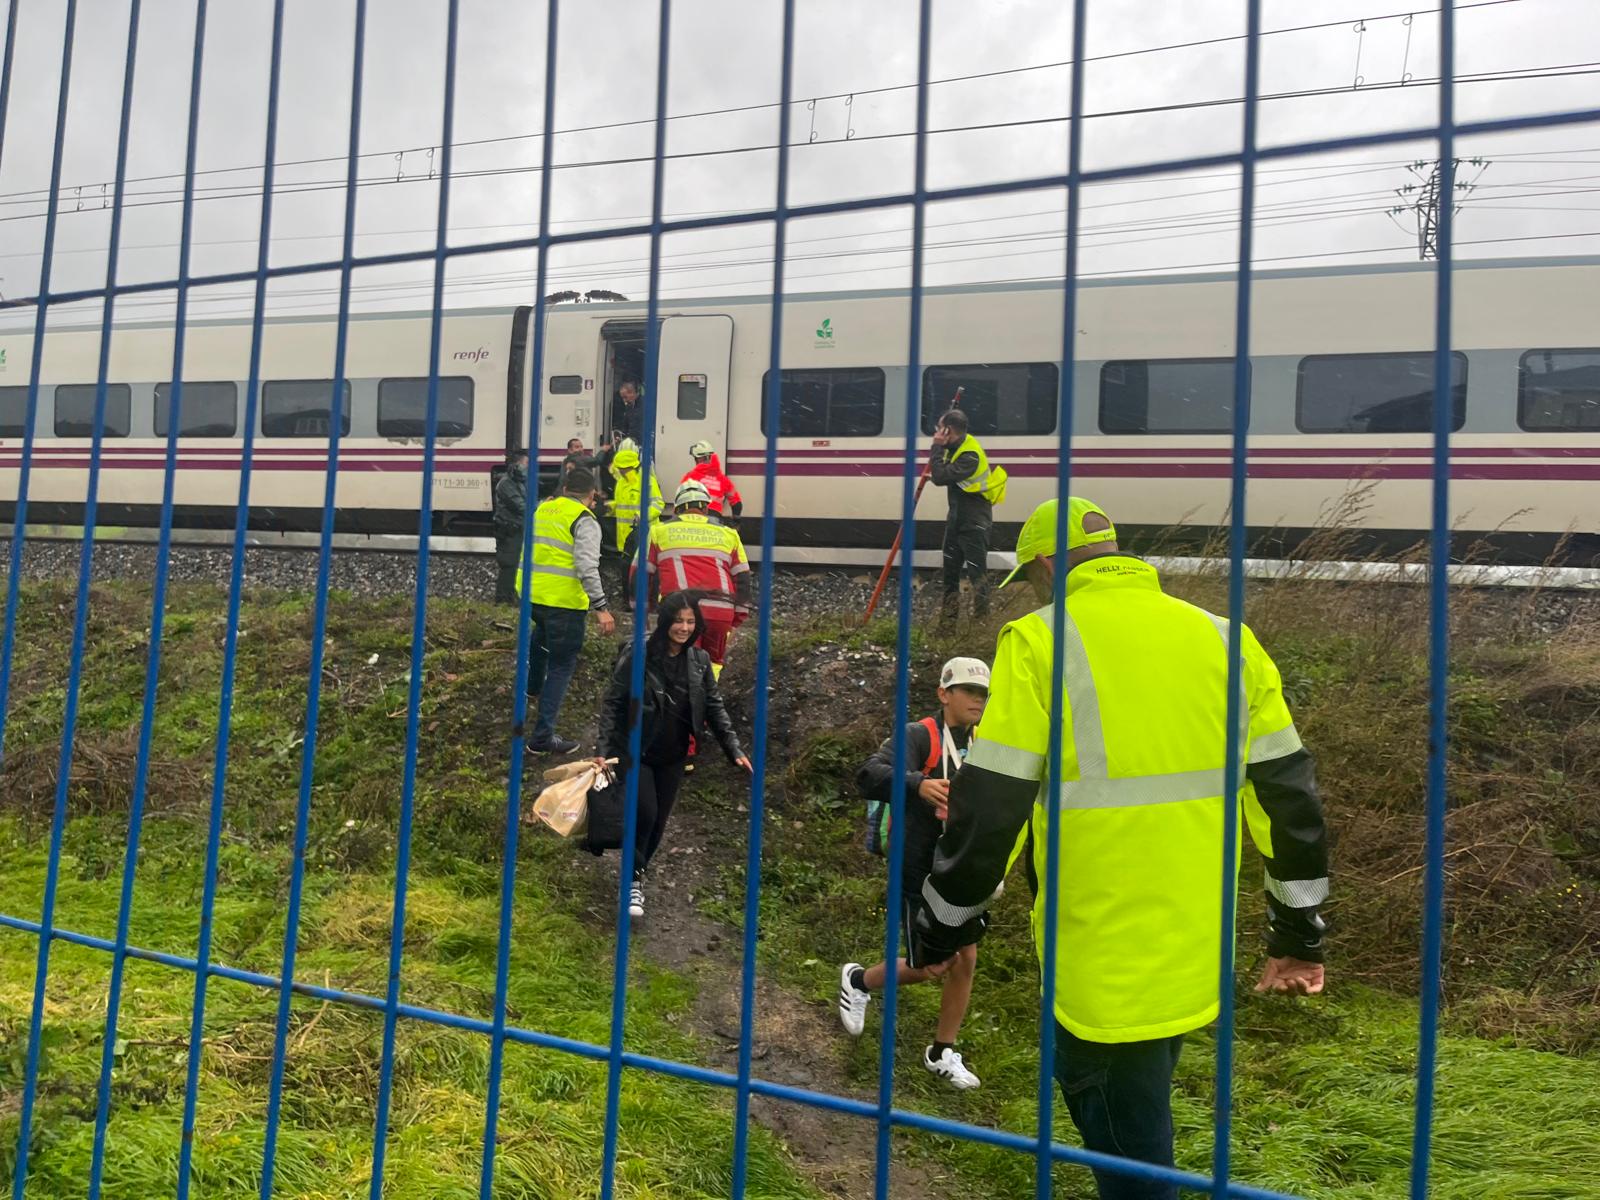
{"x": 680, "y": 699}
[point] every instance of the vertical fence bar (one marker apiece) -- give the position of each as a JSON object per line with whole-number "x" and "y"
{"x": 1438, "y": 620}
{"x": 1237, "y": 712}
{"x": 641, "y": 593}
{"x": 158, "y": 605}
{"x": 230, "y": 648}
{"x": 902, "y": 670}
{"x": 319, "y": 622}
{"x": 758, "y": 761}
{"x": 58, "y": 820}
{"x": 419, "y": 624}
{"x": 519, "y": 699}
{"x": 1065, "y": 418}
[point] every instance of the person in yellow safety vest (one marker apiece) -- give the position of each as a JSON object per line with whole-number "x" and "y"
{"x": 562, "y": 586}
{"x": 960, "y": 466}
{"x": 1138, "y": 919}
{"x": 625, "y": 497}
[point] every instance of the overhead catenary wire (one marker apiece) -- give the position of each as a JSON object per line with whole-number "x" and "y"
{"x": 639, "y": 122}
{"x": 1555, "y": 71}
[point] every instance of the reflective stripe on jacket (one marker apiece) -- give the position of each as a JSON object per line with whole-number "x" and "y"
{"x": 625, "y": 503}
{"x": 554, "y": 579}
{"x": 985, "y": 481}
{"x": 1143, "y": 750}
{"x": 694, "y": 552}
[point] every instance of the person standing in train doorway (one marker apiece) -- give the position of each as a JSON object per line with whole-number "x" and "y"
{"x": 627, "y": 418}
{"x": 962, "y": 468}
{"x": 510, "y": 503}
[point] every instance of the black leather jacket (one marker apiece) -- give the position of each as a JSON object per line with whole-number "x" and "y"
{"x": 705, "y": 701}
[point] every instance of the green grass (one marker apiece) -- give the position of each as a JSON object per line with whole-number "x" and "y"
{"x": 676, "y": 1137}
{"x": 1324, "y": 1089}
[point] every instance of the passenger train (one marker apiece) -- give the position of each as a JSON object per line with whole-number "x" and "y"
{"x": 1341, "y": 378}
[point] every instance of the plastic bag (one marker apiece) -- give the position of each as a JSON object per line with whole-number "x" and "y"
{"x": 564, "y": 803}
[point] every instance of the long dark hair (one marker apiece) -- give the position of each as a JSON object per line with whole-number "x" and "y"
{"x": 666, "y": 613}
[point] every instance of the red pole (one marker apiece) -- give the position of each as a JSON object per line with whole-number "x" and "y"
{"x": 894, "y": 550}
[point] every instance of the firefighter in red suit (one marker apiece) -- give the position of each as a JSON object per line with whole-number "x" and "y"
{"x": 695, "y": 553}
{"x": 723, "y": 499}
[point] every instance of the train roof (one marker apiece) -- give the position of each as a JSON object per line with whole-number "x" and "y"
{"x": 639, "y": 306}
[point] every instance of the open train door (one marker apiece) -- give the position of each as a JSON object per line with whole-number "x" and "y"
{"x": 691, "y": 392}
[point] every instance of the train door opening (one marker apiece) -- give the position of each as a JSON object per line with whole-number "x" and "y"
{"x": 624, "y": 343}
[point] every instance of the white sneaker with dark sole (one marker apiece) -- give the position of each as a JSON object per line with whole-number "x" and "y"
{"x": 949, "y": 1067}
{"x": 852, "y": 1001}
{"x": 636, "y": 899}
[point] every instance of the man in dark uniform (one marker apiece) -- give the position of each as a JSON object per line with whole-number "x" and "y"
{"x": 961, "y": 468}
{"x": 510, "y": 503}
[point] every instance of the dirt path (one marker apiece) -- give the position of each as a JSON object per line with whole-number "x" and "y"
{"x": 796, "y": 1040}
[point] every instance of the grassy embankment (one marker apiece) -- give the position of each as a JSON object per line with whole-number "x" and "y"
{"x": 1324, "y": 1090}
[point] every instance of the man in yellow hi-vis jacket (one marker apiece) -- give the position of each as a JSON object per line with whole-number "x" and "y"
{"x": 1138, "y": 919}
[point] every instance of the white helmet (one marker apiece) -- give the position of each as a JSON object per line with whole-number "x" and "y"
{"x": 691, "y": 493}
{"x": 701, "y": 450}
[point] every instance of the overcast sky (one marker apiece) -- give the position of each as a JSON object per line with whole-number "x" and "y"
{"x": 725, "y": 54}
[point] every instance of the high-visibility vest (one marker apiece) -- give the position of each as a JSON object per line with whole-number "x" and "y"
{"x": 987, "y": 481}
{"x": 554, "y": 579}
{"x": 1138, "y": 919}
{"x": 694, "y": 551}
{"x": 625, "y": 503}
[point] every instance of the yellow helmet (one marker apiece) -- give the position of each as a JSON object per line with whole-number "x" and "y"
{"x": 1038, "y": 536}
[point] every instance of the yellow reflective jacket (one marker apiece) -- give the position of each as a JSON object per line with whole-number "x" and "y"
{"x": 554, "y": 579}
{"x": 1138, "y": 918}
{"x": 625, "y": 503}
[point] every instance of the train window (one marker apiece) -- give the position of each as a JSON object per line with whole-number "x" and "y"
{"x": 13, "y": 411}
{"x": 204, "y": 409}
{"x": 1559, "y": 390}
{"x": 998, "y": 398}
{"x": 1374, "y": 393}
{"x": 403, "y": 407}
{"x": 299, "y": 408}
{"x": 691, "y": 397}
{"x": 566, "y": 385}
{"x": 828, "y": 402}
{"x": 75, "y": 409}
{"x": 1167, "y": 395}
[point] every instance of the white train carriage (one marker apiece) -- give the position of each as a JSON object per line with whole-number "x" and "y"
{"x": 1341, "y": 386}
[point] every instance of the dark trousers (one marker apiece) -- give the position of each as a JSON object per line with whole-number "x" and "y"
{"x": 1120, "y": 1098}
{"x": 966, "y": 553}
{"x": 658, "y": 792}
{"x": 507, "y": 548}
{"x": 555, "y": 636}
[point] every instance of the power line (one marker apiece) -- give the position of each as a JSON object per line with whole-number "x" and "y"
{"x": 731, "y": 110}
{"x": 1556, "y": 71}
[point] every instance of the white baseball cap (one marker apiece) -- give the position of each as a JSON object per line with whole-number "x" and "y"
{"x": 969, "y": 672}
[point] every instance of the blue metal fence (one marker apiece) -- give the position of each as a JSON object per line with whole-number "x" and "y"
{"x": 742, "y": 1082}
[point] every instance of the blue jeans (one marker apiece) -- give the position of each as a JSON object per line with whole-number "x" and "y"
{"x": 555, "y": 636}
{"x": 1120, "y": 1098}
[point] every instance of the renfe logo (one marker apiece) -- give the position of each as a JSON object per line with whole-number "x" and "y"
{"x": 472, "y": 356}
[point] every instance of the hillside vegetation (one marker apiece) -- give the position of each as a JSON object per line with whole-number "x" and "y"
{"x": 1323, "y": 1095}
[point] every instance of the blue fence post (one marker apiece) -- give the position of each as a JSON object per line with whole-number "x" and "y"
{"x": 319, "y": 623}
{"x": 1237, "y": 710}
{"x": 230, "y": 647}
{"x": 519, "y": 699}
{"x": 1438, "y": 621}
{"x": 769, "y": 505}
{"x": 641, "y": 592}
{"x": 58, "y": 820}
{"x": 1044, "y": 1162}
{"x": 158, "y": 603}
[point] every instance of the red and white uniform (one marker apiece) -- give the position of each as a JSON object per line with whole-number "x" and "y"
{"x": 724, "y": 494}
{"x": 693, "y": 552}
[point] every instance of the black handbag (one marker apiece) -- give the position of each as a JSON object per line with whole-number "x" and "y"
{"x": 607, "y": 800}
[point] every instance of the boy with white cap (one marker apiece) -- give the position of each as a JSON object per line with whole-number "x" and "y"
{"x": 935, "y": 748}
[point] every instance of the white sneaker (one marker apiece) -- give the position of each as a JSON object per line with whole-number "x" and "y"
{"x": 636, "y": 899}
{"x": 852, "y": 1001}
{"x": 949, "y": 1067}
